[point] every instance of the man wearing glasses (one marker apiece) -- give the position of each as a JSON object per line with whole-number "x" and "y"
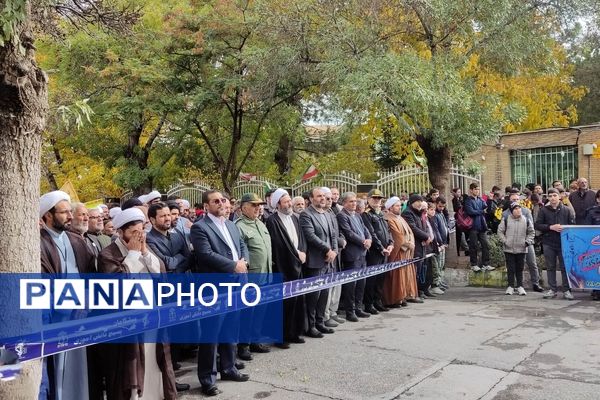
{"x": 219, "y": 248}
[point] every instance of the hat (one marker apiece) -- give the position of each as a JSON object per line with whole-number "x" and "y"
{"x": 102, "y": 206}
{"x": 143, "y": 198}
{"x": 391, "y": 201}
{"x": 153, "y": 195}
{"x": 186, "y": 204}
{"x": 49, "y": 200}
{"x": 277, "y": 195}
{"x": 252, "y": 198}
{"x": 113, "y": 212}
{"x": 414, "y": 197}
{"x": 326, "y": 190}
{"x": 375, "y": 193}
{"x": 269, "y": 192}
{"x": 129, "y": 215}
{"x": 514, "y": 205}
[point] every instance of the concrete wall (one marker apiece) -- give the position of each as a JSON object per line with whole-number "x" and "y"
{"x": 497, "y": 157}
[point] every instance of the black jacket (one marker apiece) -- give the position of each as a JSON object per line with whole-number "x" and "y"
{"x": 549, "y": 216}
{"x": 353, "y": 253}
{"x": 380, "y": 233}
{"x": 592, "y": 216}
{"x": 418, "y": 227}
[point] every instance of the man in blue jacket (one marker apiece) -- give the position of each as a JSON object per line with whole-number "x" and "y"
{"x": 475, "y": 208}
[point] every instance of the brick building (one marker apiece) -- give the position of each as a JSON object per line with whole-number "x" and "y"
{"x": 542, "y": 156}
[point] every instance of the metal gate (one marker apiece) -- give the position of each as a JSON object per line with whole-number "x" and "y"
{"x": 412, "y": 179}
{"x": 344, "y": 182}
{"x": 191, "y": 192}
{"x": 258, "y": 185}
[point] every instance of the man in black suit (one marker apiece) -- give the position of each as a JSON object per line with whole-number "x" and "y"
{"x": 168, "y": 244}
{"x": 289, "y": 253}
{"x": 321, "y": 253}
{"x": 218, "y": 248}
{"x": 354, "y": 255}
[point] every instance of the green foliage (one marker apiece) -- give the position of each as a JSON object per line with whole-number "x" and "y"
{"x": 13, "y": 14}
{"x": 497, "y": 259}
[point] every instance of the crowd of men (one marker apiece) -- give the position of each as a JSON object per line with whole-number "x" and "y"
{"x": 301, "y": 237}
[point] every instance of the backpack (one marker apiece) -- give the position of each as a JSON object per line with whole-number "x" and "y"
{"x": 463, "y": 221}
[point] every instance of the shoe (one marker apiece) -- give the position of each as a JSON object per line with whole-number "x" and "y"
{"x": 243, "y": 353}
{"x": 428, "y": 293}
{"x": 362, "y": 314}
{"x": 259, "y": 348}
{"x": 350, "y": 316}
{"x": 415, "y": 300}
{"x": 330, "y": 323}
{"x": 239, "y": 365}
{"x": 521, "y": 291}
{"x": 550, "y": 294}
{"x": 314, "y": 333}
{"x": 283, "y": 345}
{"x": 488, "y": 268}
{"x": 444, "y": 285}
{"x": 475, "y": 268}
{"x": 181, "y": 387}
{"x": 568, "y": 295}
{"x": 338, "y": 319}
{"x": 397, "y": 305}
{"x": 403, "y": 303}
{"x": 538, "y": 288}
{"x": 436, "y": 290}
{"x": 176, "y": 366}
{"x": 210, "y": 391}
{"x": 380, "y": 307}
{"x": 509, "y": 291}
{"x": 297, "y": 340}
{"x": 324, "y": 329}
{"x": 371, "y": 310}
{"x": 237, "y": 377}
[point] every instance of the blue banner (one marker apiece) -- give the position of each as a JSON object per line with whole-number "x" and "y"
{"x": 581, "y": 253}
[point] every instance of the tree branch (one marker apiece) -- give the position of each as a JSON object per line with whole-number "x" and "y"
{"x": 155, "y": 132}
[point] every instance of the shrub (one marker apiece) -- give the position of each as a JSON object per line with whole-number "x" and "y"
{"x": 496, "y": 252}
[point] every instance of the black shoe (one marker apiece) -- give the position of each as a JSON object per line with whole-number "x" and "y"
{"x": 239, "y": 365}
{"x": 237, "y": 377}
{"x": 380, "y": 307}
{"x": 397, "y": 305}
{"x": 371, "y": 310}
{"x": 324, "y": 329}
{"x": 210, "y": 391}
{"x": 314, "y": 333}
{"x": 403, "y": 303}
{"x": 362, "y": 314}
{"x": 244, "y": 353}
{"x": 182, "y": 387}
{"x": 429, "y": 294}
{"x": 284, "y": 345}
{"x": 350, "y": 316}
{"x": 176, "y": 366}
{"x": 259, "y": 348}
{"x": 538, "y": 288}
{"x": 330, "y": 323}
{"x": 298, "y": 340}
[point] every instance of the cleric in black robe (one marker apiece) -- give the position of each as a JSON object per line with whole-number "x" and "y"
{"x": 289, "y": 253}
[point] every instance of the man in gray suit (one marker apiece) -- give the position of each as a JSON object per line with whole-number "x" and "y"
{"x": 321, "y": 253}
{"x": 218, "y": 248}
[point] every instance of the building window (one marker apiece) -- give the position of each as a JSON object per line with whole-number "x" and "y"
{"x": 544, "y": 165}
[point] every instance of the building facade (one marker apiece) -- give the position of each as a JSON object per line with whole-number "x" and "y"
{"x": 542, "y": 156}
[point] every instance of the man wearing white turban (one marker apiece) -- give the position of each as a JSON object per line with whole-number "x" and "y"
{"x": 64, "y": 252}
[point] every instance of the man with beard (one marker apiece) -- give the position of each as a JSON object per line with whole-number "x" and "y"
{"x": 218, "y": 248}
{"x": 289, "y": 253}
{"x": 336, "y": 207}
{"x": 298, "y": 204}
{"x": 322, "y": 251}
{"x": 96, "y": 226}
{"x": 80, "y": 225}
{"x": 168, "y": 244}
{"x": 134, "y": 370}
{"x": 582, "y": 199}
{"x": 66, "y": 375}
{"x": 382, "y": 246}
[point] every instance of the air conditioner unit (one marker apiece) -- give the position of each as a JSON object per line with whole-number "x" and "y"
{"x": 588, "y": 149}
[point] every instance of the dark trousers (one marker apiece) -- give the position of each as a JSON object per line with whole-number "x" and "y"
{"x": 352, "y": 292}
{"x": 316, "y": 302}
{"x": 551, "y": 255}
{"x": 424, "y": 274}
{"x": 374, "y": 284}
{"x": 294, "y": 312}
{"x": 461, "y": 240}
{"x": 514, "y": 268}
{"x": 207, "y": 361}
{"x": 474, "y": 238}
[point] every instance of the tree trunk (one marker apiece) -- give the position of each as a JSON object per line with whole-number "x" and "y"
{"x": 283, "y": 155}
{"x": 23, "y": 110}
{"x": 439, "y": 164}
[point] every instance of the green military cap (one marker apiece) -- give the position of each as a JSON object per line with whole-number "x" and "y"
{"x": 252, "y": 198}
{"x": 376, "y": 193}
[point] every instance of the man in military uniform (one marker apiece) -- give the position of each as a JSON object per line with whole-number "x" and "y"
{"x": 256, "y": 236}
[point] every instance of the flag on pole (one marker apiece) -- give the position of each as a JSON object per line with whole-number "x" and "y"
{"x": 310, "y": 173}
{"x": 247, "y": 177}
{"x": 69, "y": 189}
{"x": 93, "y": 203}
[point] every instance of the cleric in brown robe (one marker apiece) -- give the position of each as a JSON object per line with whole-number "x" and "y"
{"x": 144, "y": 370}
{"x": 69, "y": 374}
{"x": 289, "y": 253}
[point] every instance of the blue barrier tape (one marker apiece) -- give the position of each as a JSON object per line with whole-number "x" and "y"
{"x": 69, "y": 335}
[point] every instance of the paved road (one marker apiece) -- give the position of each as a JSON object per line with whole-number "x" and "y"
{"x": 468, "y": 344}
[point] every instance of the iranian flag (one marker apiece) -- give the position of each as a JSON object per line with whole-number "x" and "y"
{"x": 310, "y": 173}
{"x": 247, "y": 177}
